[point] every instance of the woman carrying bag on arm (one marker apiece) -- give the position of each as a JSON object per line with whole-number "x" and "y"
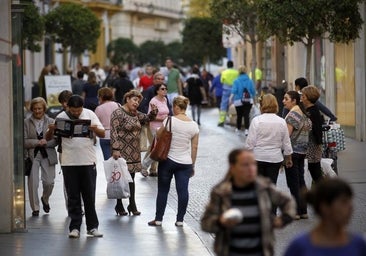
{"x": 180, "y": 161}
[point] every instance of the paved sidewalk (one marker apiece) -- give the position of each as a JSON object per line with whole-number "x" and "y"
{"x": 127, "y": 235}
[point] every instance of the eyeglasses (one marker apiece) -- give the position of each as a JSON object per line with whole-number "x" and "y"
{"x": 163, "y": 89}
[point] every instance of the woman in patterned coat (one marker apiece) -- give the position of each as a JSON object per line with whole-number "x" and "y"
{"x": 126, "y": 123}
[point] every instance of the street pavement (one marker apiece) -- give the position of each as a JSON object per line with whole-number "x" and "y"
{"x": 130, "y": 235}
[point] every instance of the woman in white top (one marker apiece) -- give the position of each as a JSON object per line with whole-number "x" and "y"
{"x": 104, "y": 112}
{"x": 180, "y": 162}
{"x": 268, "y": 137}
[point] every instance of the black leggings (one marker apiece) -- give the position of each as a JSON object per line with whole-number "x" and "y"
{"x": 243, "y": 111}
{"x": 315, "y": 171}
{"x": 132, "y": 195}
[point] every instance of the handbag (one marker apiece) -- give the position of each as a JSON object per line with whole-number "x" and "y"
{"x": 160, "y": 146}
{"x": 118, "y": 178}
{"x": 27, "y": 165}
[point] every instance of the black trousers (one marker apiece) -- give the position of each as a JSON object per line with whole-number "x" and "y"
{"x": 81, "y": 180}
{"x": 269, "y": 170}
{"x": 296, "y": 181}
{"x": 243, "y": 111}
{"x": 315, "y": 171}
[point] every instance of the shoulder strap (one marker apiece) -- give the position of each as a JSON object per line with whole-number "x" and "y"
{"x": 170, "y": 124}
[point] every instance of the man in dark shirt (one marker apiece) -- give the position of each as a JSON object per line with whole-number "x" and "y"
{"x": 121, "y": 86}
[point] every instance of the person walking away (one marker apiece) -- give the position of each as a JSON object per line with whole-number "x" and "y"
{"x": 78, "y": 163}
{"x": 42, "y": 154}
{"x": 126, "y": 123}
{"x": 121, "y": 86}
{"x": 268, "y": 137}
{"x": 309, "y": 95}
{"x": 227, "y": 79}
{"x": 217, "y": 87}
{"x": 195, "y": 94}
{"x": 242, "y": 95}
{"x": 90, "y": 92}
{"x": 104, "y": 112}
{"x": 298, "y": 125}
{"x": 173, "y": 80}
{"x": 180, "y": 163}
{"x": 248, "y": 199}
{"x": 78, "y": 84}
{"x": 332, "y": 202}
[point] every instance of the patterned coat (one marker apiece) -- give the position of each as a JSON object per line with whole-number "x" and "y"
{"x": 125, "y": 135}
{"x": 267, "y": 193}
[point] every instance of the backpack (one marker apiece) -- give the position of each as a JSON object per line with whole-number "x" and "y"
{"x": 246, "y": 99}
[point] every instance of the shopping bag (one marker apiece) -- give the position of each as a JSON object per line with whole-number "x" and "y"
{"x": 118, "y": 178}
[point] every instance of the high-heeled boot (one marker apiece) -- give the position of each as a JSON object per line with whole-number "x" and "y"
{"x": 120, "y": 210}
{"x": 132, "y": 206}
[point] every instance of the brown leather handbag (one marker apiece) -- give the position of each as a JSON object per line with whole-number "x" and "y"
{"x": 160, "y": 146}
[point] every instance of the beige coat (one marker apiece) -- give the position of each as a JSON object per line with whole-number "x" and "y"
{"x": 267, "y": 194}
{"x": 31, "y": 141}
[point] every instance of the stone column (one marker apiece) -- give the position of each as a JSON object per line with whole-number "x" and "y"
{"x": 6, "y": 124}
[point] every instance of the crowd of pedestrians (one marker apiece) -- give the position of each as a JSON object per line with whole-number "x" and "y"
{"x": 243, "y": 208}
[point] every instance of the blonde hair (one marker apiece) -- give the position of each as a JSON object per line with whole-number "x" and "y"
{"x": 181, "y": 102}
{"x": 131, "y": 94}
{"x": 242, "y": 69}
{"x": 311, "y": 92}
{"x": 269, "y": 104}
{"x": 36, "y": 101}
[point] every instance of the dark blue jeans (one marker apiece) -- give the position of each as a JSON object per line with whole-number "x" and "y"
{"x": 105, "y": 144}
{"x": 296, "y": 181}
{"x": 181, "y": 172}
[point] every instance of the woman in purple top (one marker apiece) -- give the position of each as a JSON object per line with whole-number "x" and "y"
{"x": 332, "y": 202}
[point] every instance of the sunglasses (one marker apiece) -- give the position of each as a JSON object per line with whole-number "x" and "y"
{"x": 163, "y": 89}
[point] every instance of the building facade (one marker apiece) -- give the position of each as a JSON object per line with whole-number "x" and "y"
{"x": 338, "y": 70}
{"x": 144, "y": 20}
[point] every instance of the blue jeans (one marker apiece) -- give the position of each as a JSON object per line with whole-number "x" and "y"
{"x": 182, "y": 173}
{"x": 105, "y": 144}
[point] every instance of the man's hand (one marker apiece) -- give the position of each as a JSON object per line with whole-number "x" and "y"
{"x": 288, "y": 161}
{"x": 42, "y": 142}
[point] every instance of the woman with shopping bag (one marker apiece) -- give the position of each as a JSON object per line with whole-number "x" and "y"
{"x": 126, "y": 123}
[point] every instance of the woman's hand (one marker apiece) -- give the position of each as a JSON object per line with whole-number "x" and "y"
{"x": 154, "y": 108}
{"x": 116, "y": 154}
{"x": 277, "y": 222}
{"x": 42, "y": 142}
{"x": 192, "y": 173}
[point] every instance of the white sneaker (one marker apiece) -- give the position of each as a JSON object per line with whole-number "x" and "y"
{"x": 246, "y": 132}
{"x": 179, "y": 223}
{"x": 74, "y": 233}
{"x": 94, "y": 233}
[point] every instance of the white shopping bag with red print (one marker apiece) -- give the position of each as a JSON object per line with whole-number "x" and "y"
{"x": 118, "y": 178}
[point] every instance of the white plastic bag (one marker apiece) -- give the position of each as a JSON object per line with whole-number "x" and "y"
{"x": 254, "y": 111}
{"x": 118, "y": 177}
{"x": 326, "y": 164}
